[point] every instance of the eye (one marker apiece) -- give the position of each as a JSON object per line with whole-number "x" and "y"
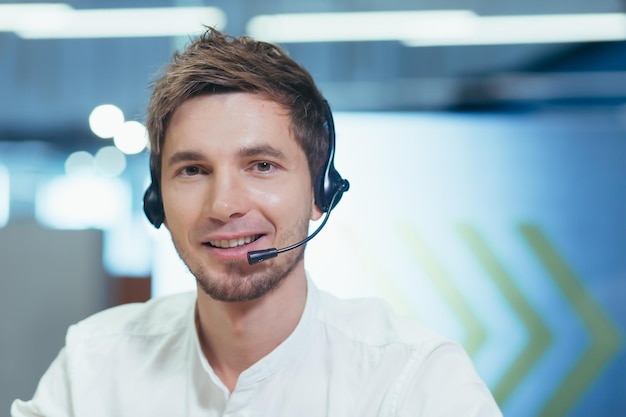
{"x": 264, "y": 166}
{"x": 190, "y": 171}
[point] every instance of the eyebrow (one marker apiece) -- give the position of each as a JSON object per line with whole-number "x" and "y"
{"x": 185, "y": 156}
{"x": 261, "y": 150}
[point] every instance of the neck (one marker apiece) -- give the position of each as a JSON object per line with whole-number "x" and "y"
{"x": 235, "y": 335}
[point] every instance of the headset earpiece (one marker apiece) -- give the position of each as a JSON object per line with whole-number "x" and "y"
{"x": 329, "y": 185}
{"x": 152, "y": 203}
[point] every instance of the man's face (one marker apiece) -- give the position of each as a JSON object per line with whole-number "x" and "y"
{"x": 234, "y": 180}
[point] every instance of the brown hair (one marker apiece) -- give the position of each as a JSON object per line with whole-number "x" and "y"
{"x": 217, "y": 63}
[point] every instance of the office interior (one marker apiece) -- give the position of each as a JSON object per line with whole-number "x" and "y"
{"x": 485, "y": 144}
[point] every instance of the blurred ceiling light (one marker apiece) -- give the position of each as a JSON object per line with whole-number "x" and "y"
{"x": 438, "y": 28}
{"x": 131, "y": 138}
{"x": 59, "y": 20}
{"x": 13, "y": 17}
{"x": 502, "y": 30}
{"x": 4, "y": 196}
{"x": 360, "y": 26}
{"x": 105, "y": 120}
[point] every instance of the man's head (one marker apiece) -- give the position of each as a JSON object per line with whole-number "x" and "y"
{"x": 216, "y": 63}
{"x": 239, "y": 133}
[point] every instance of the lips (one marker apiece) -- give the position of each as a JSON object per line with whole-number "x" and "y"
{"x": 232, "y": 243}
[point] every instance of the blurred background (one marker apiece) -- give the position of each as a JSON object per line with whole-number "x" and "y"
{"x": 485, "y": 143}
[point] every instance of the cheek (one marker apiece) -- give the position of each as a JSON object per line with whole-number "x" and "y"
{"x": 286, "y": 197}
{"x": 181, "y": 207}
{"x": 273, "y": 201}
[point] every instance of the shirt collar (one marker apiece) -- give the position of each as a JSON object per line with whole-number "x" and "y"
{"x": 277, "y": 359}
{"x": 290, "y": 348}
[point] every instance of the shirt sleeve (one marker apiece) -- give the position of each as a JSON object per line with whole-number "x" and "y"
{"x": 52, "y": 396}
{"x": 445, "y": 384}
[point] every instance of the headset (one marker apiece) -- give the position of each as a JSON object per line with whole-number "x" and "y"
{"x": 329, "y": 186}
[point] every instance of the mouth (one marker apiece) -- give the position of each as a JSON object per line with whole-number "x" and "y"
{"x": 232, "y": 243}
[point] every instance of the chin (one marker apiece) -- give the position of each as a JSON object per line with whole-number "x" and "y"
{"x": 239, "y": 284}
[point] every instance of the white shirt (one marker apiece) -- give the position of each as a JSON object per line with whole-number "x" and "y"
{"x": 345, "y": 358}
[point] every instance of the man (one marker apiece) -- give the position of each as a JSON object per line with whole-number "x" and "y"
{"x": 241, "y": 160}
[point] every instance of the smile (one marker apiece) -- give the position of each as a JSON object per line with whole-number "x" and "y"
{"x": 232, "y": 243}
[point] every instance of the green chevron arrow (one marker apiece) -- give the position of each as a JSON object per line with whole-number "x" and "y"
{"x": 605, "y": 339}
{"x": 539, "y": 337}
{"x": 476, "y": 334}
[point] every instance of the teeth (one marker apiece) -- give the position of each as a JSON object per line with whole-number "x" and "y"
{"x": 232, "y": 243}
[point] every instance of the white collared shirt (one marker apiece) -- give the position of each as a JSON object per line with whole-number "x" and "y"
{"x": 345, "y": 358}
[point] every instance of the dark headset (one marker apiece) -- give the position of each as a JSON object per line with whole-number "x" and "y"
{"x": 329, "y": 186}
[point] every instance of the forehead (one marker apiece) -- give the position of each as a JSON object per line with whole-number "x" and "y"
{"x": 229, "y": 119}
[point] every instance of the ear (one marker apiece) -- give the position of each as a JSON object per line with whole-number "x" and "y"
{"x": 165, "y": 220}
{"x": 316, "y": 213}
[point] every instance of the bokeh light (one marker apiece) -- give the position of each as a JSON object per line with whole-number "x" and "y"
{"x": 75, "y": 202}
{"x": 131, "y": 138}
{"x": 105, "y": 120}
{"x": 110, "y": 161}
{"x": 80, "y": 163}
{"x": 4, "y": 195}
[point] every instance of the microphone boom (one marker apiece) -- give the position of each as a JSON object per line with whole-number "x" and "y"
{"x": 258, "y": 256}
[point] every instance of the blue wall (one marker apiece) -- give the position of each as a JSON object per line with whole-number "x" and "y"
{"x": 504, "y": 231}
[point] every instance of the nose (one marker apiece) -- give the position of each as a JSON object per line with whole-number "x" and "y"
{"x": 227, "y": 196}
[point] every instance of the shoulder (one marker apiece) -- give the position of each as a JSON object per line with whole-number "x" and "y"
{"x": 423, "y": 369}
{"x": 372, "y": 321}
{"x": 154, "y": 317}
